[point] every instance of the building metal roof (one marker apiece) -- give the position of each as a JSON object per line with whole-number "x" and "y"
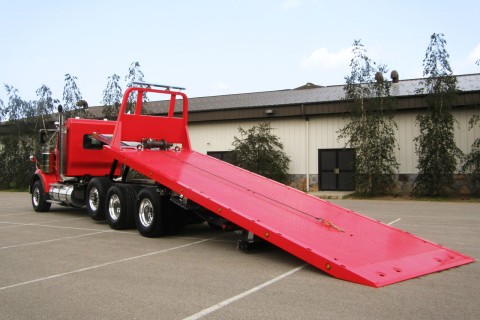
{"x": 314, "y": 95}
{"x": 302, "y": 95}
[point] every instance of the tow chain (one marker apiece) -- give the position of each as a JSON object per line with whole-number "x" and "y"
{"x": 330, "y": 224}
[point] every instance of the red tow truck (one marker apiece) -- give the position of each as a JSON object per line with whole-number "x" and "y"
{"x": 140, "y": 171}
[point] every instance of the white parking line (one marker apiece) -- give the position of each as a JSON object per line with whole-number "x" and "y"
{"x": 16, "y": 206}
{"x": 45, "y": 225}
{"x": 99, "y": 266}
{"x": 18, "y": 224}
{"x": 394, "y": 221}
{"x": 224, "y": 303}
{"x": 14, "y": 214}
{"x": 196, "y": 238}
{"x": 51, "y": 240}
{"x": 95, "y": 231}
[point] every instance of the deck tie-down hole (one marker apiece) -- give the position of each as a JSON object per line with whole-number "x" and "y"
{"x": 397, "y": 269}
{"x": 381, "y": 274}
{"x": 439, "y": 259}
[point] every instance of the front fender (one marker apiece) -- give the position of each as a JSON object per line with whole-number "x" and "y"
{"x": 45, "y": 179}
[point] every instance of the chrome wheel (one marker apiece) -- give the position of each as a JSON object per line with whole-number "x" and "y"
{"x": 39, "y": 198}
{"x": 146, "y": 212}
{"x": 96, "y": 197}
{"x": 149, "y": 218}
{"x": 114, "y": 207}
{"x": 93, "y": 199}
{"x": 36, "y": 197}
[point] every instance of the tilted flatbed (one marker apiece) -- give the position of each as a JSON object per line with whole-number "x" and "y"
{"x": 336, "y": 240}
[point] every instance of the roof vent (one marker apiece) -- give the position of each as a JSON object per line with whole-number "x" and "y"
{"x": 379, "y": 77}
{"x": 308, "y": 85}
{"x": 394, "y": 76}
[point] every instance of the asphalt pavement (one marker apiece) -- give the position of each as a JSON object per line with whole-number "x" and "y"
{"x": 63, "y": 265}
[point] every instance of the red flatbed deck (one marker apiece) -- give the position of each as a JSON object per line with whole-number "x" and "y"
{"x": 338, "y": 241}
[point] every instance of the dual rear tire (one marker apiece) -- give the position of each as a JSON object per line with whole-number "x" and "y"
{"x": 120, "y": 206}
{"x": 124, "y": 206}
{"x": 156, "y": 215}
{"x": 149, "y": 218}
{"x": 95, "y": 197}
{"x": 125, "y": 209}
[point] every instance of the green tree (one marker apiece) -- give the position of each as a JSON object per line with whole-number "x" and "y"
{"x": 44, "y": 106}
{"x": 112, "y": 97}
{"x": 19, "y": 144}
{"x": 23, "y": 119}
{"x": 71, "y": 93}
{"x": 435, "y": 146}
{"x": 71, "y": 97}
{"x": 134, "y": 74}
{"x": 371, "y": 129}
{"x": 471, "y": 162}
{"x": 260, "y": 151}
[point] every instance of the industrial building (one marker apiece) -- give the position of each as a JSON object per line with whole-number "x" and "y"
{"x": 307, "y": 120}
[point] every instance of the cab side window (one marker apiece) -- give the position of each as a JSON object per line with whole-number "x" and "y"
{"x": 91, "y": 143}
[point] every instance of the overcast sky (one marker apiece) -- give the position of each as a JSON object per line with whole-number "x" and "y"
{"x": 215, "y": 47}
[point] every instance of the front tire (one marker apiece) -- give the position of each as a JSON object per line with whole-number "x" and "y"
{"x": 148, "y": 217}
{"x": 120, "y": 206}
{"x": 39, "y": 201}
{"x": 95, "y": 197}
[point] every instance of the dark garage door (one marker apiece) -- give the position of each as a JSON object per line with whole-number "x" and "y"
{"x": 335, "y": 169}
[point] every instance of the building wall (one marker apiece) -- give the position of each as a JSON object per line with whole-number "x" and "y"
{"x": 408, "y": 130}
{"x": 302, "y": 138}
